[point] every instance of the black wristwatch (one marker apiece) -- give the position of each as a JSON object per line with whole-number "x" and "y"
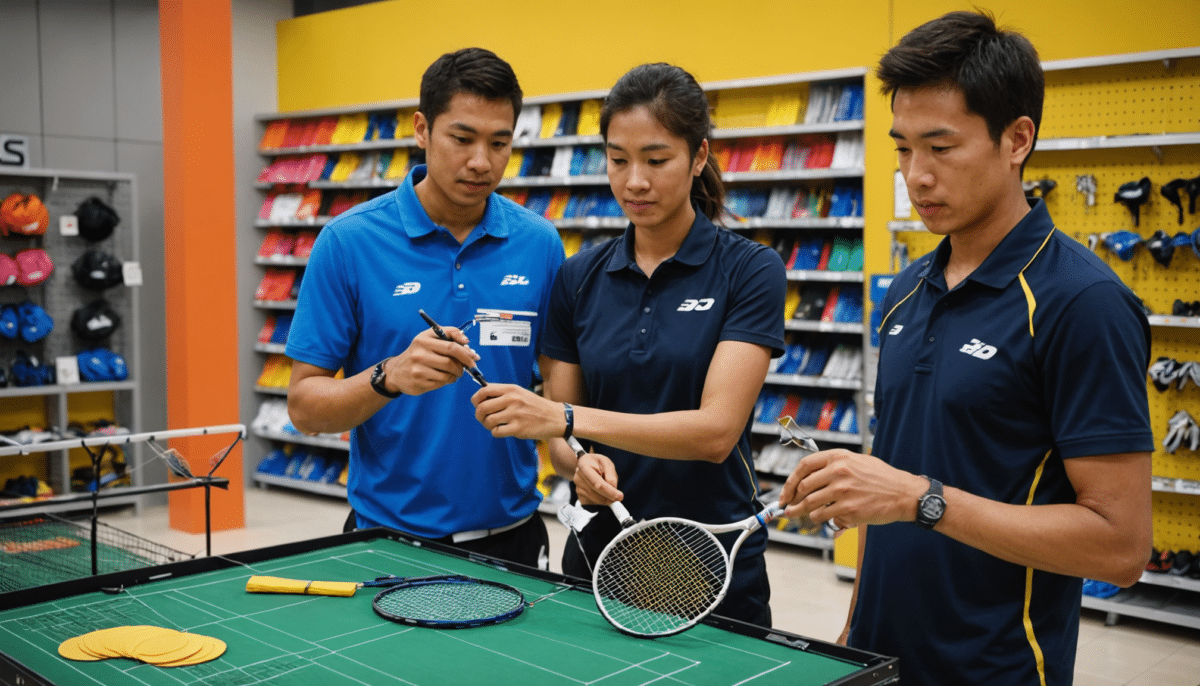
{"x": 379, "y": 381}
{"x": 931, "y": 506}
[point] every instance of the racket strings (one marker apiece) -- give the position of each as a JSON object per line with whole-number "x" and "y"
{"x": 661, "y": 577}
{"x": 449, "y": 601}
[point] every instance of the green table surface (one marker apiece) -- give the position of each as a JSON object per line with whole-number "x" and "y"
{"x": 326, "y": 641}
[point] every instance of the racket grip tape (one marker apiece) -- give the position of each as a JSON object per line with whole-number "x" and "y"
{"x": 617, "y": 508}
{"x": 274, "y": 584}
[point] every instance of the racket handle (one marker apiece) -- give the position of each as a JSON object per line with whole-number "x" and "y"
{"x": 617, "y": 508}
{"x": 575, "y": 445}
{"x": 622, "y": 514}
{"x": 274, "y": 584}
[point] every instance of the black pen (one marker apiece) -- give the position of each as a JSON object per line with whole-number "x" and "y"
{"x": 472, "y": 370}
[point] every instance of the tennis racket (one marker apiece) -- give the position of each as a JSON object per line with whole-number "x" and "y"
{"x": 448, "y": 602}
{"x": 662, "y": 576}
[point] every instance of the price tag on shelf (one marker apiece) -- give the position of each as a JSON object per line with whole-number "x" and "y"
{"x": 902, "y": 206}
{"x": 1187, "y": 486}
{"x": 68, "y": 225}
{"x": 132, "y": 272}
{"x": 66, "y": 370}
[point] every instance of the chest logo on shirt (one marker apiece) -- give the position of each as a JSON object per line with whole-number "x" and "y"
{"x": 691, "y": 305}
{"x": 407, "y": 288}
{"x": 514, "y": 280}
{"x": 979, "y": 349}
{"x": 896, "y": 330}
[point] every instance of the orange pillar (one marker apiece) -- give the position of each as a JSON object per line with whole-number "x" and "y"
{"x": 200, "y": 239}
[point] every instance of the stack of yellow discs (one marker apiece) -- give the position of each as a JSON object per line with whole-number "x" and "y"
{"x": 150, "y": 644}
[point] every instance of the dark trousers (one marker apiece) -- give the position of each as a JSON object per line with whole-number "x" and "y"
{"x": 528, "y": 544}
{"x": 749, "y": 595}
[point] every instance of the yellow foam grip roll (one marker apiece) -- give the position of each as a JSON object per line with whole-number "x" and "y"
{"x": 274, "y": 584}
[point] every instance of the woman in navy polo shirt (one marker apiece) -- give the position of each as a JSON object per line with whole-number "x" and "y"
{"x": 657, "y": 342}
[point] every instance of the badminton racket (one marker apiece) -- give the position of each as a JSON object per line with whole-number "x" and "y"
{"x": 662, "y": 576}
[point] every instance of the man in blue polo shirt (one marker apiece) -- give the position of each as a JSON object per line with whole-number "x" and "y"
{"x": 444, "y": 243}
{"x": 1013, "y": 439}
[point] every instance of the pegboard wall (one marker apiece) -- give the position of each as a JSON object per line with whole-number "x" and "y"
{"x": 1125, "y": 100}
{"x": 60, "y": 295}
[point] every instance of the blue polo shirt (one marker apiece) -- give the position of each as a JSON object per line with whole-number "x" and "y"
{"x": 644, "y": 346}
{"x": 1037, "y": 357}
{"x": 423, "y": 464}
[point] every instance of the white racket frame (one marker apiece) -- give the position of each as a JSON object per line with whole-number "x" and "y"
{"x": 747, "y": 526}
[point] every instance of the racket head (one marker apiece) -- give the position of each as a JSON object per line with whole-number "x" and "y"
{"x": 449, "y": 602}
{"x": 660, "y": 577}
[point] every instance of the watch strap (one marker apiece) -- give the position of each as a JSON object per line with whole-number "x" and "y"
{"x": 379, "y": 381}
{"x": 931, "y": 506}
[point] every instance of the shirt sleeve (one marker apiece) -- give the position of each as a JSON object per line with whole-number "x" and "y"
{"x": 324, "y": 326}
{"x": 1095, "y": 374}
{"x": 558, "y": 338}
{"x": 756, "y": 302}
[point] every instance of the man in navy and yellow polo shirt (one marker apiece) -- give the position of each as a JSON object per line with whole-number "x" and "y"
{"x": 1013, "y": 443}
{"x": 445, "y": 243}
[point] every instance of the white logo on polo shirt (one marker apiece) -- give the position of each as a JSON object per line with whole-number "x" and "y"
{"x": 896, "y": 330}
{"x": 514, "y": 280}
{"x": 407, "y": 288}
{"x": 691, "y": 305}
{"x": 979, "y": 349}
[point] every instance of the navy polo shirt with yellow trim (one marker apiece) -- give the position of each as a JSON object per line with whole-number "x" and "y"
{"x": 1037, "y": 357}
{"x": 423, "y": 464}
{"x": 644, "y": 347}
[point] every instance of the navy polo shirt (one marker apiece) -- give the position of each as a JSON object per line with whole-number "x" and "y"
{"x": 1037, "y": 357}
{"x": 423, "y": 464}
{"x": 644, "y": 347}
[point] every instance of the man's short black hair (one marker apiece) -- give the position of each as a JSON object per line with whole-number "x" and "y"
{"x": 998, "y": 72}
{"x": 470, "y": 70}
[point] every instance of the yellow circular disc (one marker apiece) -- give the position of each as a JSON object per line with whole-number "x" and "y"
{"x": 98, "y": 642}
{"x": 213, "y": 648}
{"x": 160, "y": 644}
{"x": 73, "y": 650}
{"x": 128, "y": 640}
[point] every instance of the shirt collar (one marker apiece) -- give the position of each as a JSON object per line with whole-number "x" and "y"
{"x": 416, "y": 220}
{"x": 1008, "y": 258}
{"x": 694, "y": 251}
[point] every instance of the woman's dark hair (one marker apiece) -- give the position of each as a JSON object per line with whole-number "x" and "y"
{"x": 678, "y": 103}
{"x": 998, "y": 72}
{"x": 470, "y": 70}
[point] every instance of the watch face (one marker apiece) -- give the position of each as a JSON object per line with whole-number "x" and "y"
{"x": 932, "y": 507}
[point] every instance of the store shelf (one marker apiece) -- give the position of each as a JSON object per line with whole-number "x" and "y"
{"x": 354, "y": 185}
{"x": 798, "y": 223}
{"x": 558, "y": 141}
{"x": 906, "y": 225}
{"x": 332, "y": 490}
{"x": 1113, "y": 142}
{"x": 789, "y": 130}
{"x": 281, "y": 261}
{"x": 802, "y": 540}
{"x": 296, "y": 223}
{"x": 275, "y": 304}
{"x": 591, "y": 223}
{"x": 823, "y": 327}
{"x": 823, "y": 275}
{"x": 314, "y": 441}
{"x": 279, "y": 348}
{"x": 78, "y": 506}
{"x": 270, "y": 390}
{"x": 539, "y": 181}
{"x": 1170, "y": 581}
{"x": 817, "y": 434}
{"x": 813, "y": 382}
{"x": 55, "y": 389}
{"x": 1145, "y": 601}
{"x": 793, "y": 174}
{"x": 1163, "y": 484}
{"x": 382, "y": 144}
{"x": 1176, "y": 322}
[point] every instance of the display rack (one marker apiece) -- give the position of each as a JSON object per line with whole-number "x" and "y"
{"x": 755, "y": 118}
{"x": 1119, "y": 118}
{"x": 60, "y": 295}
